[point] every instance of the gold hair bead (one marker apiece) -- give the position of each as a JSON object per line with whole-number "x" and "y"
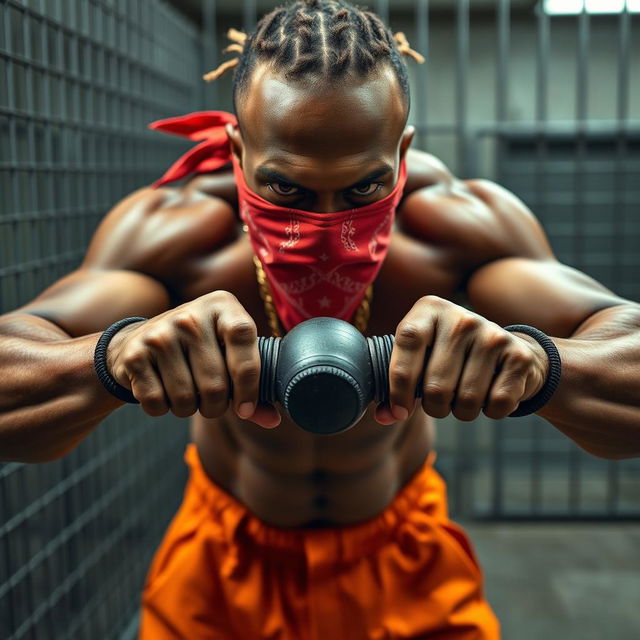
{"x": 405, "y": 48}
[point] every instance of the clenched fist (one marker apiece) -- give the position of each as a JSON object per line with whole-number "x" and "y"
{"x": 192, "y": 358}
{"x": 463, "y": 363}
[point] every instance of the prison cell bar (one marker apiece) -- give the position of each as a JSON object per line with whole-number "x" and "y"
{"x": 422, "y": 72}
{"x": 579, "y": 218}
{"x": 501, "y": 105}
{"x": 543, "y": 41}
{"x": 619, "y": 204}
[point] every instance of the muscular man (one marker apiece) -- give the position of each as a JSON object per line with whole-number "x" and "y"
{"x": 283, "y": 533}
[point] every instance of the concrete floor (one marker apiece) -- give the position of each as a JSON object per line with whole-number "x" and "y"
{"x": 562, "y": 581}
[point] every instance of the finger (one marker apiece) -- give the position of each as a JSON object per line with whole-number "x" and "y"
{"x": 443, "y": 371}
{"x": 383, "y": 415}
{"x": 135, "y": 370}
{"x": 238, "y": 332}
{"x": 475, "y": 382}
{"x": 413, "y": 336}
{"x": 266, "y": 416}
{"x": 507, "y": 390}
{"x": 208, "y": 370}
{"x": 147, "y": 388}
{"x": 176, "y": 378}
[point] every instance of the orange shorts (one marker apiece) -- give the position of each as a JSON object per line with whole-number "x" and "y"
{"x": 223, "y": 574}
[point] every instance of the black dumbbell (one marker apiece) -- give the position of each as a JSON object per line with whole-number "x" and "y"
{"x": 325, "y": 373}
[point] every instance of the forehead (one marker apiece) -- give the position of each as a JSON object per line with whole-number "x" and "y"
{"x": 320, "y": 118}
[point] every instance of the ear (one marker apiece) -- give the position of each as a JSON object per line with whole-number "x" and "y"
{"x": 406, "y": 139}
{"x": 235, "y": 138}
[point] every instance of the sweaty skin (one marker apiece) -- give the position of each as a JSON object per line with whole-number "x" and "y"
{"x": 158, "y": 249}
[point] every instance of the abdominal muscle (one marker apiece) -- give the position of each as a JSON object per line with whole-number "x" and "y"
{"x": 289, "y": 477}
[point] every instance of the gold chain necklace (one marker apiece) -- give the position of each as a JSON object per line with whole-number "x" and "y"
{"x": 360, "y": 317}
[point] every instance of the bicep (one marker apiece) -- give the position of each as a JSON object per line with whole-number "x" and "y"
{"x": 88, "y": 300}
{"x": 546, "y": 294}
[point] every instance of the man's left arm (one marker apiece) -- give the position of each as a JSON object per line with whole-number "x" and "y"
{"x": 465, "y": 362}
{"x": 597, "y": 403}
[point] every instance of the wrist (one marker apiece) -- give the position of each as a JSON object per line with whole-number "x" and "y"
{"x": 554, "y": 368}
{"x": 542, "y": 364}
{"x": 115, "y": 343}
{"x": 100, "y": 360}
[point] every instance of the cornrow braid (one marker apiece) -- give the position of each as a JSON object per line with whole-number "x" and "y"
{"x": 327, "y": 38}
{"x": 307, "y": 27}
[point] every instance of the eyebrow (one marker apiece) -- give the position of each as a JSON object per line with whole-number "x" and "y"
{"x": 276, "y": 176}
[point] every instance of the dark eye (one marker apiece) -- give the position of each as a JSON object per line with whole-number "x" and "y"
{"x": 283, "y": 189}
{"x": 367, "y": 189}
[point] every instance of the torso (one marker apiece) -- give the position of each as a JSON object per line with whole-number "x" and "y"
{"x": 289, "y": 477}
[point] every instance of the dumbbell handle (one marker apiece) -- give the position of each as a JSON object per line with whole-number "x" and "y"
{"x": 380, "y": 348}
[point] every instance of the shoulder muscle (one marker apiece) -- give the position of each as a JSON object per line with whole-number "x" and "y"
{"x": 477, "y": 220}
{"x": 154, "y": 229}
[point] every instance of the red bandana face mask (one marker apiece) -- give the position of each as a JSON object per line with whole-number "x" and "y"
{"x": 317, "y": 264}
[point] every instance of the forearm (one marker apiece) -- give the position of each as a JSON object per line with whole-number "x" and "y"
{"x": 597, "y": 403}
{"x": 50, "y": 397}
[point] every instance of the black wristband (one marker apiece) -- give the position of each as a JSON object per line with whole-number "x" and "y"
{"x": 553, "y": 378}
{"x": 100, "y": 361}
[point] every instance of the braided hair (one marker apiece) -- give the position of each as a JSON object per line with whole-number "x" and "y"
{"x": 328, "y": 38}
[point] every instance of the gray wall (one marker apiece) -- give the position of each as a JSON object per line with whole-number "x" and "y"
{"x": 440, "y": 73}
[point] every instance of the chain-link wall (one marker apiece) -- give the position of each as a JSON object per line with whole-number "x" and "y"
{"x": 79, "y": 81}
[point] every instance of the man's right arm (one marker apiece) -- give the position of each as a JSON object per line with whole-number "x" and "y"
{"x": 183, "y": 359}
{"x": 50, "y": 396}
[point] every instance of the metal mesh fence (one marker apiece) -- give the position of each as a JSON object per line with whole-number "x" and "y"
{"x": 79, "y": 81}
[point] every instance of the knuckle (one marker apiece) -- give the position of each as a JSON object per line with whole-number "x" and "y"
{"x": 222, "y": 296}
{"x": 182, "y": 399}
{"x": 500, "y": 404}
{"x": 432, "y": 300}
{"x": 154, "y": 410}
{"x": 400, "y": 376}
{"x": 157, "y": 340}
{"x": 154, "y": 403}
{"x": 502, "y": 400}
{"x": 154, "y": 398}
{"x": 408, "y": 335}
{"x": 134, "y": 360}
{"x": 465, "y": 323}
{"x": 215, "y": 389}
{"x": 187, "y": 322}
{"x": 434, "y": 409}
{"x": 241, "y": 331}
{"x": 183, "y": 412}
{"x": 467, "y": 399}
{"x": 437, "y": 393}
{"x": 210, "y": 410}
{"x": 496, "y": 340}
